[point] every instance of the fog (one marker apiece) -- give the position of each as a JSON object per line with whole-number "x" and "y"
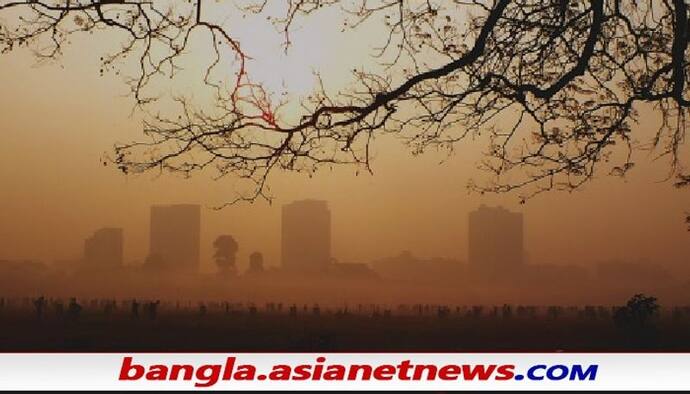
{"x": 60, "y": 120}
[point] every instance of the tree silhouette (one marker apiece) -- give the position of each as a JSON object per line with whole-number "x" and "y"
{"x": 635, "y": 318}
{"x": 639, "y": 310}
{"x": 225, "y": 254}
{"x": 555, "y": 85}
{"x": 256, "y": 263}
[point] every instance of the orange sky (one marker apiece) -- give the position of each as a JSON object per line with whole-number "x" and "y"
{"x": 59, "y": 119}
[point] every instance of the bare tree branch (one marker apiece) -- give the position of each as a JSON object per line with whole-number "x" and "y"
{"x": 555, "y": 85}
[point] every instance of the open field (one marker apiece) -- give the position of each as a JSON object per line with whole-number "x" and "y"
{"x": 219, "y": 327}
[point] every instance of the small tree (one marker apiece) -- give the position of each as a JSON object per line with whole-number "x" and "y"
{"x": 225, "y": 255}
{"x": 256, "y": 262}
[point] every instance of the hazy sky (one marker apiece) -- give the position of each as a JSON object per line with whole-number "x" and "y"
{"x": 58, "y": 120}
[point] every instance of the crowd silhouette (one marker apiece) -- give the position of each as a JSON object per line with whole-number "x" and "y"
{"x": 639, "y": 324}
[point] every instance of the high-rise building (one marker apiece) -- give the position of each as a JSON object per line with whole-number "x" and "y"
{"x": 306, "y": 236}
{"x": 104, "y": 248}
{"x": 175, "y": 236}
{"x": 495, "y": 239}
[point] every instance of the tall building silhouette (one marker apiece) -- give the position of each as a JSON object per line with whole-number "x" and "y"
{"x": 104, "y": 248}
{"x": 495, "y": 239}
{"x": 175, "y": 236}
{"x": 306, "y": 236}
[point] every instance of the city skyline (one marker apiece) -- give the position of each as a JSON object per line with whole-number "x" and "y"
{"x": 495, "y": 239}
{"x": 495, "y": 248}
{"x": 463, "y": 254}
{"x": 305, "y": 235}
{"x": 175, "y": 237}
{"x": 497, "y": 269}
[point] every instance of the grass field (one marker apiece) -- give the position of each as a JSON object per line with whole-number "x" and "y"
{"x": 368, "y": 329}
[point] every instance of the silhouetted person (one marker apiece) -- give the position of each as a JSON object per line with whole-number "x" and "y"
{"x": 73, "y": 310}
{"x": 135, "y": 309}
{"x": 293, "y": 310}
{"x": 153, "y": 309}
{"x": 108, "y": 308}
{"x": 554, "y": 311}
{"x": 521, "y": 311}
{"x": 506, "y": 311}
{"x": 603, "y": 312}
{"x": 202, "y": 310}
{"x": 375, "y": 313}
{"x": 39, "y": 306}
{"x": 59, "y": 309}
{"x": 477, "y": 311}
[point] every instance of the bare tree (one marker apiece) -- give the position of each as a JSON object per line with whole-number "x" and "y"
{"x": 556, "y": 85}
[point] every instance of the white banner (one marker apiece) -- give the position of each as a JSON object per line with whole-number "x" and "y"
{"x": 344, "y": 371}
